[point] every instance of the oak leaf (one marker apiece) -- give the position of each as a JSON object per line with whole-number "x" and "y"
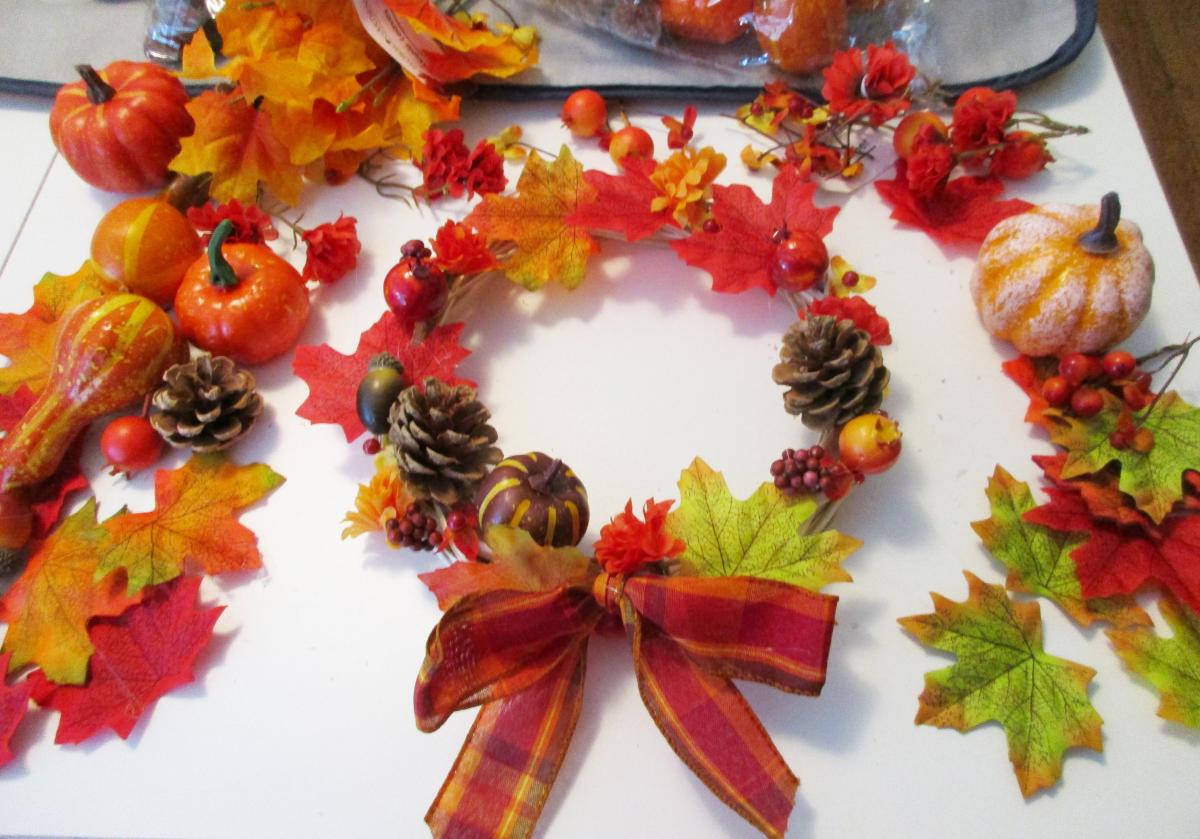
{"x": 963, "y": 212}
{"x": 27, "y": 339}
{"x": 14, "y": 703}
{"x": 518, "y": 563}
{"x": 622, "y": 202}
{"x": 1038, "y": 559}
{"x": 740, "y": 252}
{"x": 140, "y": 656}
{"x": 757, "y": 537}
{"x": 235, "y": 142}
{"x": 193, "y": 524}
{"x": 1171, "y": 665}
{"x": 333, "y": 378}
{"x": 1155, "y": 478}
{"x": 1003, "y": 674}
{"x": 549, "y": 247}
{"x": 48, "y": 608}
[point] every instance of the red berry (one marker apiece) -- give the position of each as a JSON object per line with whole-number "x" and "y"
{"x": 585, "y": 113}
{"x": 1087, "y": 402}
{"x": 1076, "y": 368}
{"x": 850, "y": 279}
{"x": 1120, "y": 440}
{"x": 1143, "y": 381}
{"x": 711, "y": 225}
{"x": 1134, "y": 397}
{"x": 130, "y": 444}
{"x": 371, "y": 445}
{"x": 1057, "y": 391}
{"x": 799, "y": 261}
{"x": 1119, "y": 364}
{"x": 1143, "y": 440}
{"x": 631, "y": 142}
{"x": 415, "y": 291}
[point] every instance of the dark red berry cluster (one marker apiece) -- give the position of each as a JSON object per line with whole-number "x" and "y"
{"x": 807, "y": 471}
{"x": 1081, "y": 378}
{"x": 415, "y": 529}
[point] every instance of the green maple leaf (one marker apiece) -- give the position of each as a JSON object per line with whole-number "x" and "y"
{"x": 1039, "y": 560}
{"x": 1155, "y": 479}
{"x": 1172, "y": 665}
{"x": 1003, "y": 675}
{"x": 758, "y": 537}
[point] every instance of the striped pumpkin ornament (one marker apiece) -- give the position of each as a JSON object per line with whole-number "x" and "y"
{"x": 109, "y": 353}
{"x": 537, "y": 493}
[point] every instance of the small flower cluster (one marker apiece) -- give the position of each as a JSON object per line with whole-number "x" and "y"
{"x": 450, "y": 168}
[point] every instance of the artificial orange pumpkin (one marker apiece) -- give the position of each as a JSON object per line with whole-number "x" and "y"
{"x": 709, "y": 21}
{"x": 241, "y": 300}
{"x": 1062, "y": 278}
{"x": 119, "y": 128}
{"x": 800, "y": 35}
{"x": 146, "y": 245}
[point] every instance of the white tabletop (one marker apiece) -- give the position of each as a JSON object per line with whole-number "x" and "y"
{"x": 300, "y": 723}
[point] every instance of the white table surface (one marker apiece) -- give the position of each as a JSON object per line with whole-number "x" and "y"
{"x": 300, "y": 723}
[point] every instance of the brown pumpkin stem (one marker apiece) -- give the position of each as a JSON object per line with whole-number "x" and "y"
{"x": 98, "y": 90}
{"x": 187, "y": 191}
{"x": 1103, "y": 239}
{"x": 543, "y": 479}
{"x": 222, "y": 273}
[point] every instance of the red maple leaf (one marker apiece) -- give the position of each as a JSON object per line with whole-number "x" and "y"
{"x": 738, "y": 254}
{"x": 14, "y": 702}
{"x": 1120, "y": 560}
{"x": 140, "y": 656}
{"x": 333, "y": 377}
{"x": 47, "y": 498}
{"x": 622, "y": 202}
{"x": 855, "y": 309}
{"x": 1100, "y": 492}
{"x": 1029, "y": 374}
{"x": 964, "y": 211}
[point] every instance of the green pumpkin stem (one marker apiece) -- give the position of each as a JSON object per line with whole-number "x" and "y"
{"x": 222, "y": 273}
{"x": 1103, "y": 239}
{"x": 98, "y": 90}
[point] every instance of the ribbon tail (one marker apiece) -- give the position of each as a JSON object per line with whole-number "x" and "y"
{"x": 712, "y": 728}
{"x": 508, "y": 763}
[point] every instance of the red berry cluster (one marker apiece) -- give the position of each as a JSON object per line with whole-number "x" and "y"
{"x": 1077, "y": 387}
{"x": 416, "y": 529}
{"x": 808, "y": 471}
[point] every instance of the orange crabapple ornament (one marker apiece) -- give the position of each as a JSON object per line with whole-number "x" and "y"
{"x": 870, "y": 443}
{"x": 1062, "y": 279}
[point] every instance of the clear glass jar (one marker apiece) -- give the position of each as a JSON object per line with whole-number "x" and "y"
{"x": 170, "y": 24}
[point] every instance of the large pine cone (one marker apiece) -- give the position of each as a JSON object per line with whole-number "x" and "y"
{"x": 205, "y": 404}
{"x": 832, "y": 371}
{"x": 442, "y": 440}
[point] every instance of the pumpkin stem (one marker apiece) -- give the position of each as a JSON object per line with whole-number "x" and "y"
{"x": 1103, "y": 239}
{"x": 98, "y": 90}
{"x": 222, "y": 273}
{"x": 543, "y": 478}
{"x": 187, "y": 191}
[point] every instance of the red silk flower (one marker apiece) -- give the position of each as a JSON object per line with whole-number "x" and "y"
{"x": 332, "y": 250}
{"x": 460, "y": 249}
{"x": 930, "y": 162}
{"x": 878, "y": 90}
{"x": 980, "y": 115}
{"x": 1022, "y": 155}
{"x": 250, "y": 224}
{"x": 485, "y": 171}
{"x": 445, "y": 163}
{"x": 627, "y": 543}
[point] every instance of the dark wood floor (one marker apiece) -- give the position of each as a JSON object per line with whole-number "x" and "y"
{"x": 1155, "y": 44}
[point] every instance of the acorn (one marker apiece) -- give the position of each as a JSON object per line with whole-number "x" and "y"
{"x": 378, "y": 390}
{"x": 537, "y": 493}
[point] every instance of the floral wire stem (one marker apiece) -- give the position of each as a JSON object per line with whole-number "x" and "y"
{"x": 1180, "y": 354}
{"x": 387, "y": 74}
{"x": 386, "y": 185}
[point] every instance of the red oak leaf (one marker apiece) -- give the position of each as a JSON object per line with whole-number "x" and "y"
{"x": 622, "y": 202}
{"x": 962, "y": 212}
{"x": 738, "y": 253}
{"x": 1120, "y": 560}
{"x": 333, "y": 377}
{"x": 140, "y": 656}
{"x": 1029, "y": 374}
{"x": 47, "y": 498}
{"x": 14, "y": 702}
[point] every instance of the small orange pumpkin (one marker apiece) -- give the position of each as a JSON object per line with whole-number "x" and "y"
{"x": 146, "y": 245}
{"x": 1062, "y": 278}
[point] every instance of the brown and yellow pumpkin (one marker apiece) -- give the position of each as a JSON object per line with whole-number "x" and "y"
{"x": 537, "y": 493}
{"x": 1063, "y": 278}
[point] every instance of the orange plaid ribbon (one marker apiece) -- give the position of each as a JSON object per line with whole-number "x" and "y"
{"x": 521, "y": 656}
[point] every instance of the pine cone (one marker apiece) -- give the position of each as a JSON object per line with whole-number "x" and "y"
{"x": 206, "y": 404}
{"x": 832, "y": 370}
{"x": 442, "y": 440}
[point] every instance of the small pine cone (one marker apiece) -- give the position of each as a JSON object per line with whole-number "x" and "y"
{"x": 832, "y": 371}
{"x": 205, "y": 404}
{"x": 442, "y": 441}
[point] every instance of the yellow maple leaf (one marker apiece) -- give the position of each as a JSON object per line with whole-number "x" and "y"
{"x": 235, "y": 141}
{"x": 461, "y": 46}
{"x": 548, "y": 246}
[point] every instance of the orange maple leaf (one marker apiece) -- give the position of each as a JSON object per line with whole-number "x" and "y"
{"x": 234, "y": 140}
{"x": 48, "y": 608}
{"x": 193, "y": 521}
{"x": 535, "y": 221}
{"x": 459, "y": 46}
{"x": 28, "y": 338}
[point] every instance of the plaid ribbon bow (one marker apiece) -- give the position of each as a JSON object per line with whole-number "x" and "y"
{"x": 521, "y": 655}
